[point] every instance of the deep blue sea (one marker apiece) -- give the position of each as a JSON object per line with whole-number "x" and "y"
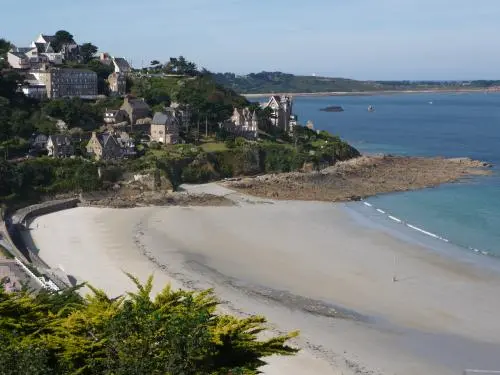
{"x": 467, "y": 214}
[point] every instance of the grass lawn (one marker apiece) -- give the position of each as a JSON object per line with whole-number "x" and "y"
{"x": 214, "y": 146}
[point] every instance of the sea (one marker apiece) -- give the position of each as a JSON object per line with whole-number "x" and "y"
{"x": 463, "y": 216}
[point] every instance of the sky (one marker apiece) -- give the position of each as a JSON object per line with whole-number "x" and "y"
{"x": 360, "y": 39}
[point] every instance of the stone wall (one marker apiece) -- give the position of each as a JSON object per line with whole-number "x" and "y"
{"x": 27, "y": 213}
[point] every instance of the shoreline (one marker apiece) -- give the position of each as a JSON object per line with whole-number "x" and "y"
{"x": 240, "y": 250}
{"x": 370, "y": 93}
{"x": 362, "y": 177}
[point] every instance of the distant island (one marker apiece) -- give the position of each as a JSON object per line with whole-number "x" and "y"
{"x": 278, "y": 82}
{"x": 332, "y": 108}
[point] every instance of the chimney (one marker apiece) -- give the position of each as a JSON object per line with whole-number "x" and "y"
{"x": 94, "y": 134}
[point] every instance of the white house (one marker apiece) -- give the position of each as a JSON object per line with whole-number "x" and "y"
{"x": 18, "y": 60}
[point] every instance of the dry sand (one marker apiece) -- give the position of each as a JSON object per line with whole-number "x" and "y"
{"x": 304, "y": 265}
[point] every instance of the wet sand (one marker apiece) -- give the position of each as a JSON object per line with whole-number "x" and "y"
{"x": 304, "y": 265}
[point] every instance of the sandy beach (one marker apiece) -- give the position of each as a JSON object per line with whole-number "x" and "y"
{"x": 304, "y": 265}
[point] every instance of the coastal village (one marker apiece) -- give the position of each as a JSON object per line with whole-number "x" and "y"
{"x": 56, "y": 69}
{"x": 111, "y": 174}
{"x": 48, "y": 75}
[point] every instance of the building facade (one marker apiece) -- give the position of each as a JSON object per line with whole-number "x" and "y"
{"x": 135, "y": 108}
{"x": 281, "y": 112}
{"x": 104, "y": 147}
{"x": 18, "y": 60}
{"x": 117, "y": 83}
{"x": 68, "y": 83}
{"x": 243, "y": 123}
{"x": 59, "y": 146}
{"x": 114, "y": 116}
{"x": 165, "y": 128}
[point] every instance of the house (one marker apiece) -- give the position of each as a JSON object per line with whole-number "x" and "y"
{"x": 127, "y": 144}
{"x": 135, "y": 108}
{"x": 59, "y": 146}
{"x": 69, "y": 51}
{"x": 33, "y": 56}
{"x": 244, "y": 123}
{"x": 105, "y": 58}
{"x": 18, "y": 60}
{"x": 33, "y": 88}
{"x": 38, "y": 141}
{"x": 115, "y": 116}
{"x": 165, "y": 128}
{"x": 104, "y": 146}
{"x": 121, "y": 65}
{"x": 281, "y": 107}
{"x": 43, "y": 51}
{"x": 67, "y": 83}
{"x": 117, "y": 83}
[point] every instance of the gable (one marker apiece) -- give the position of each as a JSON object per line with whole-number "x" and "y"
{"x": 274, "y": 102}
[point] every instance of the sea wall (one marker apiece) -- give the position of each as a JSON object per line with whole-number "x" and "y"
{"x": 12, "y": 227}
{"x": 27, "y": 213}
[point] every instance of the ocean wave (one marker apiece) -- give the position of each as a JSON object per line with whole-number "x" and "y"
{"x": 423, "y": 231}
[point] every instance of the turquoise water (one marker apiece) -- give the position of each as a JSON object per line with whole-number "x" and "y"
{"x": 454, "y": 125}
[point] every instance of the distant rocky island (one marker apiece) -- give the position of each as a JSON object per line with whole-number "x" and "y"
{"x": 332, "y": 108}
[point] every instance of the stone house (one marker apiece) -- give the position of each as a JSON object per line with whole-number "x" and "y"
{"x": 135, "y": 108}
{"x": 114, "y": 116}
{"x": 244, "y": 123}
{"x": 59, "y": 146}
{"x": 282, "y": 116}
{"x": 165, "y": 128}
{"x": 103, "y": 147}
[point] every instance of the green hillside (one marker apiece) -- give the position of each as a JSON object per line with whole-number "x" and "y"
{"x": 278, "y": 82}
{"x": 269, "y": 82}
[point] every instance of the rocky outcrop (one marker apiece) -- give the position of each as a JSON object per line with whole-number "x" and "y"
{"x": 361, "y": 177}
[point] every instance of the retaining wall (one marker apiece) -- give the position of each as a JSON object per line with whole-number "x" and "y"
{"x": 27, "y": 213}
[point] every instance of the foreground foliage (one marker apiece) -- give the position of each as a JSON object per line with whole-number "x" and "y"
{"x": 177, "y": 332}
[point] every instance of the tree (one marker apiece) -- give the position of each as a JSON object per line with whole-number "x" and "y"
{"x": 61, "y": 38}
{"x": 87, "y": 51}
{"x": 154, "y": 63}
{"x": 177, "y": 332}
{"x": 4, "y": 48}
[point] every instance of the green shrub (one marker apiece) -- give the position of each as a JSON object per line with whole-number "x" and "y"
{"x": 177, "y": 332}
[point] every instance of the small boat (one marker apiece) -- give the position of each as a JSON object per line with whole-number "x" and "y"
{"x": 371, "y": 108}
{"x": 431, "y": 102}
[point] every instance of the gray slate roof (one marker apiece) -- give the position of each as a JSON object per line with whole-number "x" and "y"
{"x": 49, "y": 38}
{"x": 21, "y": 55}
{"x": 138, "y": 104}
{"x": 122, "y": 63}
{"x": 104, "y": 138}
{"x": 164, "y": 118}
{"x": 60, "y": 139}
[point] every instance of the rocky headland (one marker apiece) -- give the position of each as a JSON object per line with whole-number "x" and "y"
{"x": 361, "y": 177}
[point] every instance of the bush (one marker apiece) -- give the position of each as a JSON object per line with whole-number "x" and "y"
{"x": 178, "y": 332}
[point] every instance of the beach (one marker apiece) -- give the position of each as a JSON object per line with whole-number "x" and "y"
{"x": 364, "y": 301}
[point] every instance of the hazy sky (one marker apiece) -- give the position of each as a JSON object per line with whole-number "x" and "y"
{"x": 364, "y": 39}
